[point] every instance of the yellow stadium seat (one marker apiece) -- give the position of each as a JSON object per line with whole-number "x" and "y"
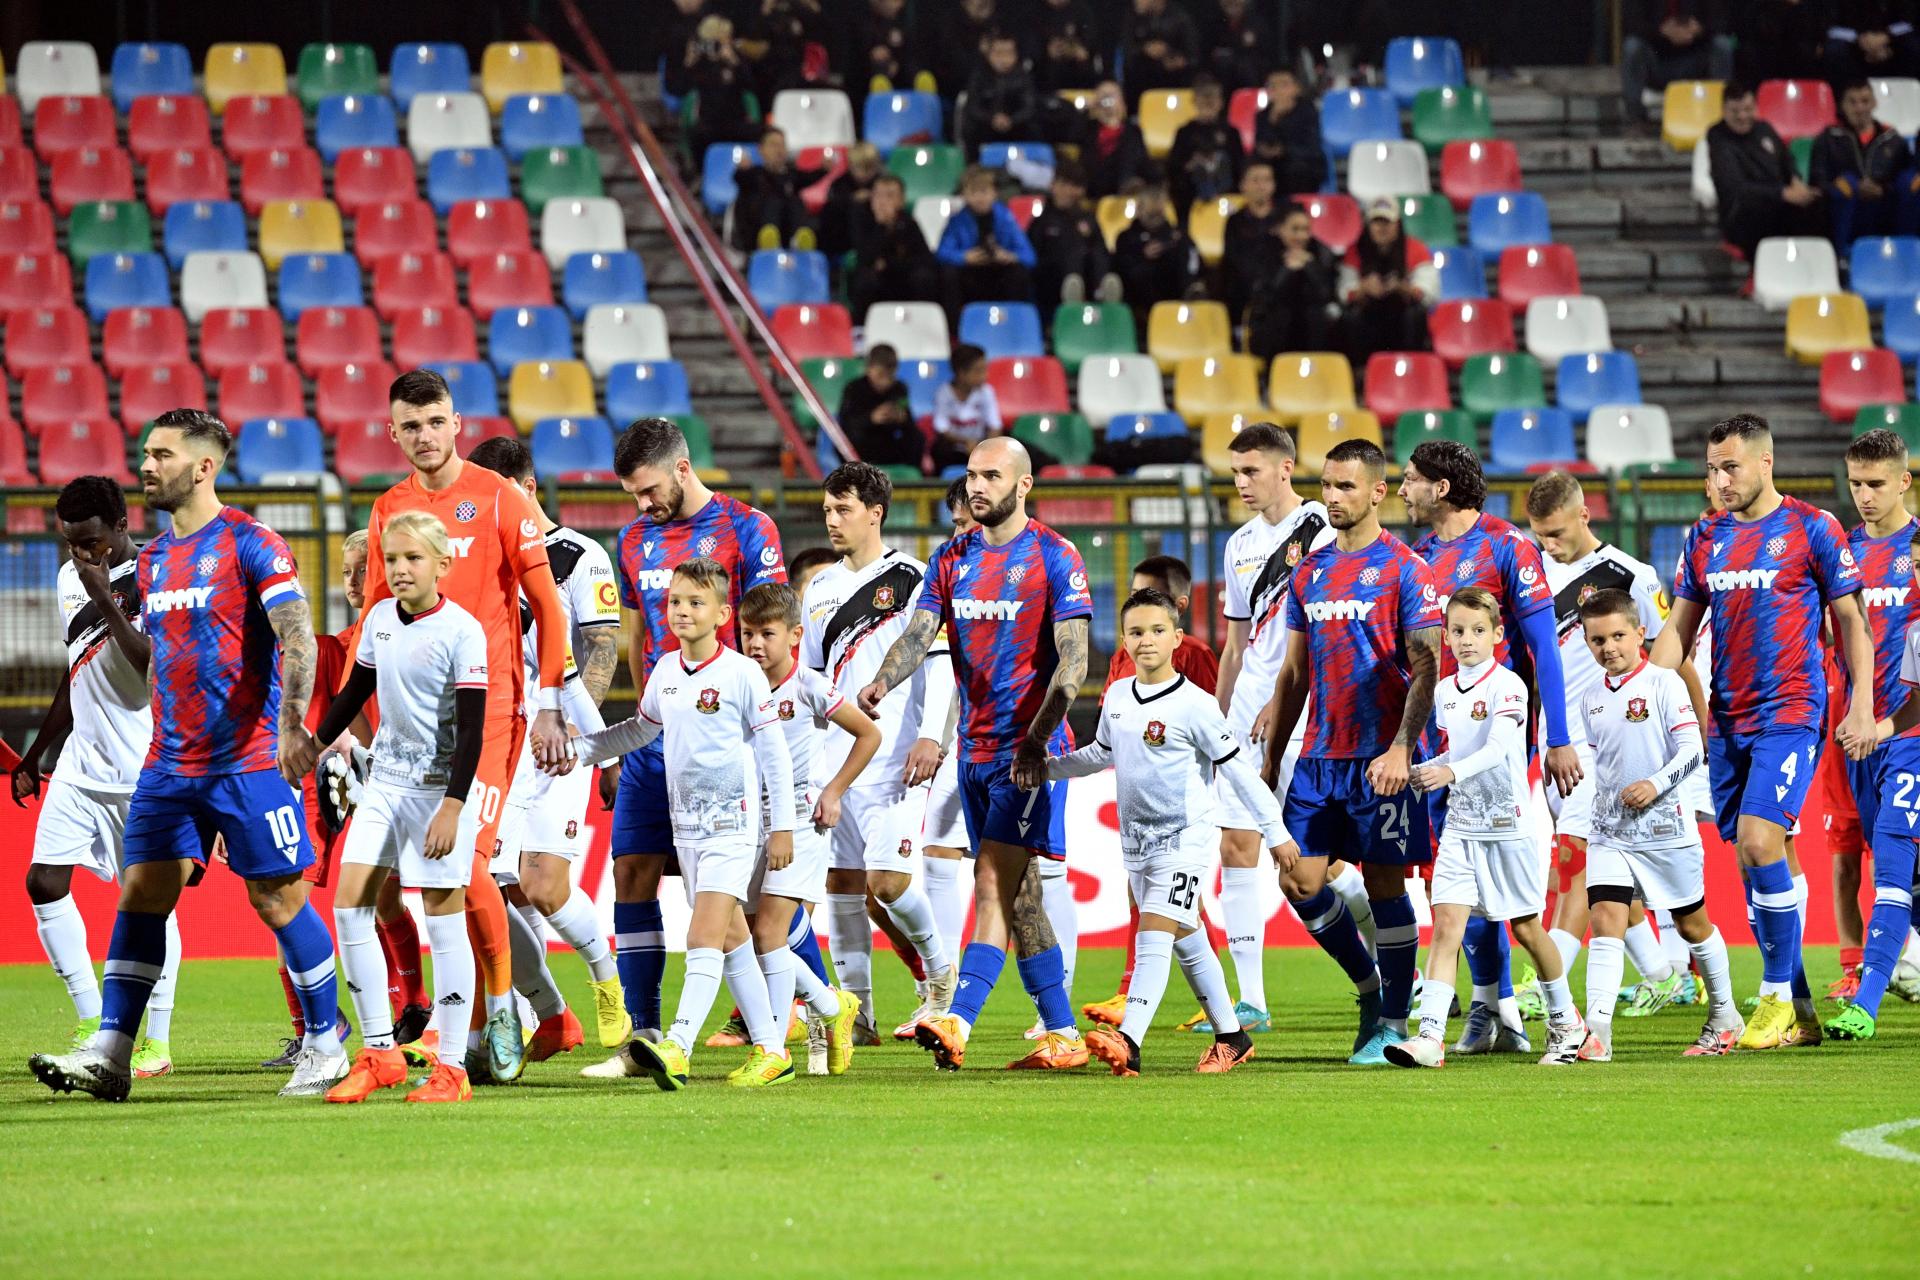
{"x": 292, "y": 227}
{"x": 1177, "y": 331}
{"x": 1207, "y": 226}
{"x": 511, "y": 67}
{"x": 1303, "y": 382}
{"x": 1690, "y": 109}
{"x": 1162, "y": 112}
{"x": 549, "y": 389}
{"x": 1216, "y": 384}
{"x": 1318, "y": 432}
{"x": 1821, "y": 322}
{"x": 1116, "y": 213}
{"x": 242, "y": 70}
{"x": 1217, "y": 431}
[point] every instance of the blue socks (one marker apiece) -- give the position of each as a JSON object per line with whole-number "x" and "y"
{"x": 1887, "y": 927}
{"x": 802, "y": 942}
{"x": 1045, "y": 978}
{"x": 1776, "y": 921}
{"x": 135, "y": 956}
{"x": 1396, "y": 938}
{"x": 1332, "y": 926}
{"x": 1488, "y": 953}
{"x": 640, "y": 955}
{"x": 980, "y": 967}
{"x": 307, "y": 949}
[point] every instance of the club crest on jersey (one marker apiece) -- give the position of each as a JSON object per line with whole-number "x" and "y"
{"x": 906, "y": 848}
{"x": 1776, "y": 546}
{"x": 206, "y": 564}
{"x": 883, "y": 596}
{"x": 1479, "y": 711}
{"x": 1016, "y": 573}
{"x": 786, "y": 709}
{"x": 1465, "y": 571}
{"x": 1636, "y": 709}
{"x": 1369, "y": 576}
{"x": 709, "y": 702}
{"x": 1293, "y": 554}
{"x": 1587, "y": 593}
{"x": 573, "y": 828}
{"x": 465, "y": 512}
{"x": 1155, "y": 735}
{"x": 707, "y": 544}
{"x": 1903, "y": 564}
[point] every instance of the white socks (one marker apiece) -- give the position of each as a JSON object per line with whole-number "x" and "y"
{"x": 1207, "y": 978}
{"x": 850, "y": 937}
{"x": 1436, "y": 1001}
{"x": 1246, "y": 931}
{"x": 1559, "y": 1000}
{"x": 1644, "y": 950}
{"x": 453, "y": 981}
{"x": 1568, "y": 945}
{"x": 531, "y": 976}
{"x": 914, "y": 914}
{"x": 1671, "y": 943}
{"x": 1152, "y": 960}
{"x": 748, "y": 986}
{"x": 777, "y": 967}
{"x": 1351, "y": 888}
{"x": 364, "y": 967}
{"x": 1606, "y": 963}
{"x": 948, "y": 892}
{"x": 1056, "y": 899}
{"x": 63, "y": 935}
{"x": 697, "y": 990}
{"x": 579, "y": 927}
{"x": 1711, "y": 956}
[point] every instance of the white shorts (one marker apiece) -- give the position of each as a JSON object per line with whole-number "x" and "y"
{"x": 805, "y": 878}
{"x": 1498, "y": 879}
{"x": 1172, "y": 881}
{"x": 879, "y": 828}
{"x": 1664, "y": 878}
{"x": 542, "y": 813}
{"x": 945, "y": 826}
{"x": 718, "y": 866}
{"x": 1573, "y": 815}
{"x": 80, "y": 827}
{"x": 1229, "y": 813}
{"x": 389, "y": 829}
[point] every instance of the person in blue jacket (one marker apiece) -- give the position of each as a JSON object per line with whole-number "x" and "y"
{"x": 983, "y": 251}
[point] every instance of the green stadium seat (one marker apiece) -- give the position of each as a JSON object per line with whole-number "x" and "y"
{"x": 329, "y": 70}
{"x": 108, "y": 226}
{"x": 1901, "y": 419}
{"x": 1802, "y": 149}
{"x": 1429, "y": 219}
{"x": 1452, "y": 114}
{"x": 699, "y": 438}
{"x": 1092, "y": 329}
{"x": 901, "y": 473}
{"x": 1409, "y": 429}
{"x": 559, "y": 173}
{"x": 829, "y": 377}
{"x": 1064, "y": 437}
{"x": 1489, "y": 384}
{"x": 928, "y": 171}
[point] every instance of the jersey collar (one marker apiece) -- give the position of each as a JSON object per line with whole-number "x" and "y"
{"x": 694, "y": 671}
{"x": 1171, "y": 686}
{"x": 408, "y": 619}
{"x": 1478, "y": 680}
{"x": 1615, "y": 688}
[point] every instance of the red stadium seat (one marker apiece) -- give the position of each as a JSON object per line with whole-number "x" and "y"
{"x": 280, "y": 175}
{"x": 238, "y": 337}
{"x": 475, "y": 427}
{"x": 366, "y": 449}
{"x": 75, "y": 447}
{"x": 409, "y": 281}
{"x": 1025, "y": 384}
{"x": 29, "y": 279}
{"x": 368, "y": 177}
{"x": 426, "y": 334}
{"x": 186, "y": 175}
{"x": 503, "y": 280}
{"x": 1336, "y": 220}
{"x": 329, "y": 336}
{"x": 133, "y": 336}
{"x": 64, "y": 392}
{"x": 1026, "y": 208}
{"x": 87, "y": 175}
{"x": 1537, "y": 271}
{"x": 1484, "y": 166}
{"x": 352, "y": 393}
{"x": 19, "y": 175}
{"x": 47, "y": 337}
{"x": 10, "y": 135}
{"x": 809, "y": 331}
{"x": 827, "y": 163}
{"x": 405, "y": 226}
{"x": 252, "y": 123}
{"x": 167, "y": 122}
{"x": 71, "y": 124}
{"x": 13, "y": 451}
{"x": 1243, "y": 113}
{"x": 149, "y": 390}
{"x": 1470, "y": 328}
{"x": 26, "y": 226}
{"x": 262, "y": 391}
{"x": 1796, "y": 108}
{"x": 479, "y": 229}
{"x": 1852, "y": 380}
{"x": 1399, "y": 381}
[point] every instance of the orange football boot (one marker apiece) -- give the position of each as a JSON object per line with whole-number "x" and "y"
{"x": 559, "y": 1034}
{"x": 941, "y": 1033}
{"x": 1221, "y": 1058}
{"x": 446, "y": 1084}
{"x": 1111, "y": 1048}
{"x": 372, "y": 1069}
{"x": 1054, "y": 1053}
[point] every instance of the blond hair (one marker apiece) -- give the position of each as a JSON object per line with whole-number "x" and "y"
{"x": 1477, "y": 598}
{"x": 355, "y": 541}
{"x": 423, "y": 527}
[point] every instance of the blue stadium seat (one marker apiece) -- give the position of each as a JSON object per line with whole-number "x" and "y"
{"x": 1422, "y": 62}
{"x": 994, "y": 154}
{"x": 718, "y": 186}
{"x": 924, "y": 378}
{"x": 893, "y": 119}
{"x": 517, "y": 335}
{"x": 116, "y": 280}
{"x": 1602, "y": 377}
{"x": 140, "y": 70}
{"x": 349, "y": 121}
{"x": 1147, "y": 426}
{"x": 653, "y": 390}
{"x": 594, "y": 278}
{"x": 564, "y": 446}
{"x": 1495, "y": 222}
{"x": 1462, "y": 272}
{"x": 476, "y": 392}
{"x": 427, "y": 68}
{"x": 467, "y": 173}
{"x": 278, "y": 444}
{"x": 531, "y": 121}
{"x": 1883, "y": 268}
{"x": 1525, "y": 438}
{"x": 777, "y": 277}
{"x": 1348, "y": 116}
{"x": 1900, "y": 328}
{"x": 1003, "y": 328}
{"x": 319, "y": 280}
{"x": 1665, "y": 546}
{"x": 216, "y": 226}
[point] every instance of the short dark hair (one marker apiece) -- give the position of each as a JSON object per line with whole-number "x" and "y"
{"x": 1606, "y": 602}
{"x": 1204, "y": 83}
{"x": 91, "y": 497}
{"x": 704, "y": 571}
{"x": 965, "y": 355}
{"x": 1858, "y": 82}
{"x": 649, "y": 442}
{"x": 883, "y": 354}
{"x": 1750, "y": 427}
{"x": 809, "y": 560}
{"x": 1070, "y": 171}
{"x": 770, "y": 602}
{"x": 1365, "y": 452}
{"x": 1171, "y": 570}
{"x": 1262, "y": 437}
{"x": 894, "y": 178}
{"x": 1458, "y": 465}
{"x": 1553, "y": 491}
{"x": 957, "y": 494}
{"x": 419, "y": 388}
{"x": 198, "y": 427}
{"x": 866, "y": 482}
{"x": 1150, "y": 598}
{"x": 1734, "y": 90}
{"x": 505, "y": 455}
{"x": 1878, "y": 445}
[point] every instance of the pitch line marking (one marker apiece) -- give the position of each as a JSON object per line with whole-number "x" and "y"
{"x": 1873, "y": 1141}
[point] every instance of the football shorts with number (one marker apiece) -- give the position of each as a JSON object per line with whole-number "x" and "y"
{"x": 1760, "y": 775}
{"x": 1499, "y": 879}
{"x": 390, "y": 830}
{"x": 879, "y": 828}
{"x": 1332, "y": 811}
{"x": 259, "y": 816}
{"x": 945, "y": 826}
{"x": 543, "y": 814}
{"x": 1663, "y": 878}
{"x": 81, "y": 827}
{"x": 1170, "y": 880}
{"x": 997, "y": 810}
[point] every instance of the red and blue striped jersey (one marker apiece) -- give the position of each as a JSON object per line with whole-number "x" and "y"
{"x": 216, "y": 661}
{"x": 742, "y": 539}
{"x": 1496, "y": 557}
{"x": 1355, "y": 608}
{"x": 1892, "y": 605}
{"x": 1767, "y": 581}
{"x": 1000, "y": 605}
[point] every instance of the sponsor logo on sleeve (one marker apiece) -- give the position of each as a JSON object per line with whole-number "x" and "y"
{"x": 282, "y": 565}
{"x": 769, "y": 556}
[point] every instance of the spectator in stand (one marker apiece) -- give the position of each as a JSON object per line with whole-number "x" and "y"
{"x": 1871, "y": 38}
{"x": 1296, "y": 303}
{"x": 1064, "y": 34}
{"x": 1206, "y": 158}
{"x": 782, "y": 38}
{"x": 1287, "y": 136}
{"x": 1068, "y": 249}
{"x": 1759, "y": 192}
{"x": 1240, "y": 44}
{"x": 720, "y": 82}
{"x": 956, "y": 40}
{"x": 768, "y": 212}
{"x": 965, "y": 411}
{"x": 1001, "y": 103}
{"x": 1115, "y": 155}
{"x": 1862, "y": 167}
{"x": 1163, "y": 49}
{"x": 848, "y": 197}
{"x": 1668, "y": 40}
{"x": 683, "y": 27}
{"x": 877, "y": 418}
{"x": 1778, "y": 40}
{"x": 987, "y": 257}
{"x": 1155, "y": 260}
{"x": 1252, "y": 240}
{"x": 1387, "y": 281}
{"x": 882, "y": 50}
{"x": 891, "y": 260}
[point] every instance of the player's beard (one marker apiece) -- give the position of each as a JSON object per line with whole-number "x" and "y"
{"x": 999, "y": 513}
{"x": 171, "y": 495}
{"x": 668, "y": 511}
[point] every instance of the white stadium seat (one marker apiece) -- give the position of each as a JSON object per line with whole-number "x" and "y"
{"x": 1120, "y": 384}
{"x": 1898, "y": 105}
{"x": 814, "y": 118}
{"x": 1387, "y": 169}
{"x": 1567, "y": 327}
{"x": 1787, "y": 267}
{"x": 915, "y": 330}
{"x": 209, "y": 281}
{"x": 932, "y": 212}
{"x": 592, "y": 224}
{"x": 53, "y": 69}
{"x": 623, "y": 332}
{"x": 446, "y": 121}
{"x": 1619, "y": 435}
{"x": 1703, "y": 193}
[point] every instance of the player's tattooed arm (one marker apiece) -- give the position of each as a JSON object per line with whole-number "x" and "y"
{"x": 293, "y": 623}
{"x": 598, "y": 663}
{"x": 908, "y": 652}
{"x": 1423, "y": 656}
{"x": 1030, "y": 758}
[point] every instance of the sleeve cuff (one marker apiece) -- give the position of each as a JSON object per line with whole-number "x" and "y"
{"x": 547, "y": 700}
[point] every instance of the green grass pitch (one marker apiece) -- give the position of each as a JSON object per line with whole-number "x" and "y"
{"x": 1295, "y": 1164}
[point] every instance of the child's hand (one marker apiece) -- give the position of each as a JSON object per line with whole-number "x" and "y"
{"x": 1431, "y": 777}
{"x": 1640, "y": 795}
{"x": 443, "y": 828}
{"x": 826, "y": 811}
{"x": 1286, "y": 856}
{"x": 779, "y": 850}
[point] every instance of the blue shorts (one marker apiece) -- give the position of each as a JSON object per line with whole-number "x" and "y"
{"x": 1864, "y": 781}
{"x": 641, "y": 821}
{"x": 1896, "y": 800}
{"x": 1332, "y": 811}
{"x": 262, "y": 819}
{"x": 1761, "y": 775}
{"x": 997, "y": 810}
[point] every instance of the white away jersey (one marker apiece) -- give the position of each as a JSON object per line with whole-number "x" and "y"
{"x": 419, "y": 662}
{"x": 1165, "y": 741}
{"x": 802, "y": 703}
{"x": 851, "y": 618}
{"x": 1600, "y": 569}
{"x": 1490, "y": 805}
{"x": 584, "y": 574}
{"x": 112, "y": 708}
{"x": 708, "y": 715}
{"x": 1259, "y": 568}
{"x": 1639, "y": 726}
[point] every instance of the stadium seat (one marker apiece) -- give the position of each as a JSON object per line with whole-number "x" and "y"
{"x": 1460, "y": 330}
{"x": 1161, "y": 114}
{"x": 1489, "y": 384}
{"x": 511, "y": 68}
{"x": 923, "y": 379}
{"x": 1217, "y": 431}
{"x": 1851, "y": 380}
{"x": 573, "y": 448}
{"x": 1399, "y": 382}
{"x": 535, "y": 121}
{"x": 1179, "y": 331}
{"x": 1133, "y": 430}
{"x": 1496, "y": 221}
{"x": 1463, "y": 274}
{"x": 777, "y": 277}
{"x": 74, "y": 447}
{"x": 242, "y": 70}
{"x": 829, "y": 378}
{"x": 808, "y": 331}
{"x": 1478, "y": 167}
{"x": 1629, "y": 434}
{"x": 559, "y": 173}
{"x": 55, "y": 68}
{"x": 814, "y": 118}
{"x": 1788, "y": 267}
{"x": 1207, "y": 226}
{"x": 65, "y": 124}
{"x": 354, "y": 120}
{"x": 1026, "y": 384}
{"x": 1882, "y": 268}
{"x": 1900, "y": 328}
{"x": 46, "y": 337}
{"x": 1081, "y": 330}
{"x": 205, "y": 226}
{"x": 1304, "y": 382}
{"x": 475, "y": 388}
{"x": 290, "y": 227}
{"x": 1704, "y": 194}
{"x": 10, "y": 133}
{"x": 1689, "y": 108}
{"x": 620, "y": 333}
{"x": 349, "y": 393}
{"x": 280, "y": 175}
{"x": 1560, "y": 327}
{"x": 1118, "y": 384}
{"x": 325, "y": 71}
{"x": 423, "y": 334}
{"x": 149, "y": 390}
{"x": 1902, "y": 419}
{"x": 109, "y": 226}
{"x": 647, "y": 390}
{"x": 369, "y": 177}
{"x": 262, "y": 123}
{"x": 143, "y": 70}
{"x": 133, "y": 336}
{"x": 186, "y": 175}
{"x": 931, "y": 213}
{"x": 1409, "y": 429}
{"x": 329, "y": 336}
{"x": 590, "y": 280}
{"x": 29, "y": 279}
{"x": 1025, "y": 156}
{"x": 1243, "y": 112}
{"x": 467, "y": 174}
{"x": 417, "y": 69}
{"x": 718, "y": 181}
{"x": 381, "y": 231}
{"x": 126, "y": 280}
{"x": 366, "y": 453}
{"x": 1796, "y": 108}
{"x": 1430, "y": 220}
{"x": 1113, "y": 213}
{"x": 477, "y": 428}
{"x": 1223, "y": 384}
{"x": 1456, "y": 113}
{"x": 1397, "y": 168}
{"x": 525, "y": 335}
{"x": 592, "y": 225}
{"x": 447, "y": 122}
{"x": 1350, "y": 116}
{"x": 927, "y": 171}
{"x": 1336, "y": 220}
{"x": 88, "y": 176}
{"x": 1025, "y": 208}
{"x": 1416, "y": 63}
{"x": 1537, "y": 271}
{"x": 1821, "y": 322}
{"x": 267, "y": 390}
{"x": 1319, "y": 431}
{"x": 410, "y": 281}
{"x": 999, "y": 328}
{"x": 1897, "y": 104}
{"x": 13, "y": 455}
{"x": 19, "y": 175}
{"x": 1064, "y": 437}
{"x": 278, "y": 446}
{"x": 1598, "y": 377}
{"x": 915, "y": 330}
{"x": 900, "y": 119}
{"x": 1526, "y": 438}
{"x": 550, "y": 389}
{"x": 318, "y": 280}
{"x": 239, "y": 336}
{"x": 65, "y": 393}
{"x": 481, "y": 228}
{"x": 210, "y": 281}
